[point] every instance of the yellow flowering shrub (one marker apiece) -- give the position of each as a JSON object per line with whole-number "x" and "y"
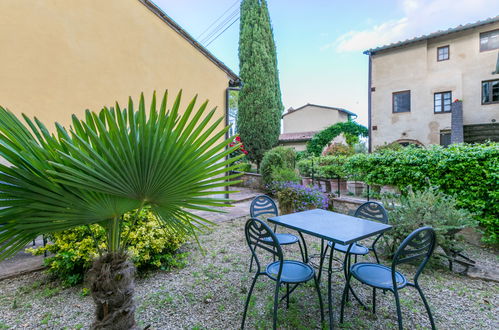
{"x": 72, "y": 251}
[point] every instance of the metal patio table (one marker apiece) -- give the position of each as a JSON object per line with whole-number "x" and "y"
{"x": 330, "y": 226}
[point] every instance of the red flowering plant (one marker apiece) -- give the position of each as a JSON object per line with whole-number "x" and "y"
{"x": 241, "y": 149}
{"x": 245, "y": 165}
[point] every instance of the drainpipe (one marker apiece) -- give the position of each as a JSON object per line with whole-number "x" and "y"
{"x": 369, "y": 99}
{"x": 234, "y": 85}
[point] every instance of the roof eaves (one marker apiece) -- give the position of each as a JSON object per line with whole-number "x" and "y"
{"x": 321, "y": 106}
{"x": 175, "y": 26}
{"x": 437, "y": 34}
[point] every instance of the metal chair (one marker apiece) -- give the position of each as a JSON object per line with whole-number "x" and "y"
{"x": 258, "y": 234}
{"x": 263, "y": 207}
{"x": 370, "y": 211}
{"x": 419, "y": 245}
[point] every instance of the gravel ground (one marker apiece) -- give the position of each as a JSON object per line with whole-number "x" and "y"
{"x": 209, "y": 293}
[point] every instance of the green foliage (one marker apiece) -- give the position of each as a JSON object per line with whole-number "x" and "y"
{"x": 284, "y": 174}
{"x": 302, "y": 155}
{"x": 389, "y": 146}
{"x": 108, "y": 164}
{"x": 278, "y": 157}
{"x": 468, "y": 172}
{"x": 427, "y": 207}
{"x": 260, "y": 105}
{"x": 332, "y": 167}
{"x": 339, "y": 149}
{"x": 151, "y": 245}
{"x": 350, "y": 129}
{"x": 327, "y": 167}
{"x": 308, "y": 167}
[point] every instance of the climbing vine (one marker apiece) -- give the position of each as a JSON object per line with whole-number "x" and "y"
{"x": 350, "y": 129}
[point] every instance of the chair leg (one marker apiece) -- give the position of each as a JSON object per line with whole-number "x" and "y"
{"x": 321, "y": 263}
{"x": 349, "y": 261}
{"x": 301, "y": 252}
{"x": 251, "y": 263}
{"x": 276, "y": 303}
{"x": 374, "y": 300}
{"x": 248, "y": 300}
{"x": 376, "y": 255}
{"x": 344, "y": 297}
{"x": 426, "y": 306}
{"x": 321, "y": 305}
{"x": 287, "y": 295}
{"x": 399, "y": 312}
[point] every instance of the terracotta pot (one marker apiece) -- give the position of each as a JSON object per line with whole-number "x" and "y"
{"x": 306, "y": 181}
{"x": 356, "y": 187}
{"x": 390, "y": 189}
{"x": 341, "y": 187}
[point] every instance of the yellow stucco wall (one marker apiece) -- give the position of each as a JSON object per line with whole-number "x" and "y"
{"x": 415, "y": 68}
{"x": 311, "y": 118}
{"x": 60, "y": 57}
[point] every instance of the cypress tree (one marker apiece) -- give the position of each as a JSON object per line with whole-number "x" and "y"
{"x": 260, "y": 105}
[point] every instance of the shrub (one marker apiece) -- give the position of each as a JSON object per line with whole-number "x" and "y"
{"x": 151, "y": 246}
{"x": 427, "y": 207}
{"x": 338, "y": 149}
{"x": 284, "y": 174}
{"x": 328, "y": 167}
{"x": 468, "y": 172}
{"x": 294, "y": 197}
{"x": 302, "y": 155}
{"x": 331, "y": 167}
{"x": 308, "y": 166}
{"x": 278, "y": 157}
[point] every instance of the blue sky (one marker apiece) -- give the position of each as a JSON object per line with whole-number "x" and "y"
{"x": 320, "y": 42}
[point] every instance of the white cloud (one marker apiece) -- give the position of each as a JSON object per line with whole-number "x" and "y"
{"x": 420, "y": 17}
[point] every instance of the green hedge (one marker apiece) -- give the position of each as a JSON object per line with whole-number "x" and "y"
{"x": 468, "y": 172}
{"x": 327, "y": 167}
{"x": 278, "y": 157}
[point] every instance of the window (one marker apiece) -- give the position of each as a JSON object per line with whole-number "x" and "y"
{"x": 489, "y": 40}
{"x": 444, "y": 138}
{"x": 443, "y": 53}
{"x": 401, "y": 101}
{"x": 442, "y": 102}
{"x": 490, "y": 91}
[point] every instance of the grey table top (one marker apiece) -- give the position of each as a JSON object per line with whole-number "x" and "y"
{"x": 332, "y": 226}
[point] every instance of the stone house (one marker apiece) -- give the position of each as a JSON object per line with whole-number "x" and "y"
{"x": 413, "y": 85}
{"x": 300, "y": 124}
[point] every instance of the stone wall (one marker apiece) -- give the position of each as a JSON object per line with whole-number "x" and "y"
{"x": 346, "y": 205}
{"x": 251, "y": 180}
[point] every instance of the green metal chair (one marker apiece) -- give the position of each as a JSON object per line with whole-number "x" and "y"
{"x": 418, "y": 246}
{"x": 263, "y": 207}
{"x": 258, "y": 234}
{"x": 371, "y": 211}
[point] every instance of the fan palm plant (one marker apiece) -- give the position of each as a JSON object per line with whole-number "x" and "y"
{"x": 108, "y": 164}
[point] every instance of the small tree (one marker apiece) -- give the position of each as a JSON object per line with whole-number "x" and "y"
{"x": 109, "y": 164}
{"x": 260, "y": 106}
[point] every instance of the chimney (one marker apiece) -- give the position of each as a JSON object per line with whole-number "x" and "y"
{"x": 456, "y": 132}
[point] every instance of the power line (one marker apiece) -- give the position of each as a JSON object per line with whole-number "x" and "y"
{"x": 221, "y": 25}
{"x": 237, "y": 19}
{"x": 235, "y": 2}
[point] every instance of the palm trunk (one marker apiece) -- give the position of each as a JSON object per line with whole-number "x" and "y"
{"x": 111, "y": 280}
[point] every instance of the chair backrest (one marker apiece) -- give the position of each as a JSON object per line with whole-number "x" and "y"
{"x": 263, "y": 207}
{"x": 419, "y": 245}
{"x": 259, "y": 235}
{"x": 372, "y": 211}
